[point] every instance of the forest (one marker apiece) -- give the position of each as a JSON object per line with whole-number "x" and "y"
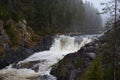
{"x": 54, "y": 16}
{"x": 59, "y": 40}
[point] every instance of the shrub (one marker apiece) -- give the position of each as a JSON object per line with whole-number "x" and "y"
{"x": 12, "y": 33}
{"x": 4, "y": 13}
{"x": 95, "y": 71}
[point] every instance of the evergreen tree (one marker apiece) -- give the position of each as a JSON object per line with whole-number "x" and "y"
{"x": 95, "y": 72}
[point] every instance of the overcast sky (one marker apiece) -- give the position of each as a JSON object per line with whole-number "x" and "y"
{"x": 97, "y": 5}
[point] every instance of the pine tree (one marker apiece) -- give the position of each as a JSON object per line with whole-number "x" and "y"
{"x": 95, "y": 71}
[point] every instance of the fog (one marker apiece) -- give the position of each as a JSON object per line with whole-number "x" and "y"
{"x": 97, "y": 4}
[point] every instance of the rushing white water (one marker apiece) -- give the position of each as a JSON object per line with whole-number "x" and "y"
{"x": 62, "y": 46}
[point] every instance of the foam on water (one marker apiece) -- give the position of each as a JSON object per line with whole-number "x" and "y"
{"x": 62, "y": 46}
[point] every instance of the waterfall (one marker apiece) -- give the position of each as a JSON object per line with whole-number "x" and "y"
{"x": 44, "y": 60}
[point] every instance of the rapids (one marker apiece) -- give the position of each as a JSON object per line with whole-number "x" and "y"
{"x": 62, "y": 46}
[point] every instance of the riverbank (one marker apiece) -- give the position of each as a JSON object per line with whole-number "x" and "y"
{"x": 13, "y": 56}
{"x": 94, "y": 61}
{"x": 74, "y": 65}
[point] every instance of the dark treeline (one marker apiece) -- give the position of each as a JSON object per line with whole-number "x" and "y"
{"x": 53, "y": 16}
{"x": 93, "y": 21}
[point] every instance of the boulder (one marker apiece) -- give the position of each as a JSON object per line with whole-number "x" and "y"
{"x": 74, "y": 65}
{"x": 13, "y": 56}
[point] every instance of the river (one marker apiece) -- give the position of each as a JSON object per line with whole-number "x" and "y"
{"x": 38, "y": 66}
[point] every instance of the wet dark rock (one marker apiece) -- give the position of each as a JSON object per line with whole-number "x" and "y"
{"x": 91, "y": 55}
{"x": 45, "y": 44}
{"x": 36, "y": 68}
{"x": 74, "y": 65}
{"x": 6, "y": 46}
{"x": 34, "y": 65}
{"x": 70, "y": 66}
{"x": 46, "y": 77}
{"x": 13, "y": 56}
{"x": 28, "y": 65}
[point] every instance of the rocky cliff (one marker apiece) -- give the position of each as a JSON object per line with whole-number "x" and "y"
{"x": 18, "y": 41}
